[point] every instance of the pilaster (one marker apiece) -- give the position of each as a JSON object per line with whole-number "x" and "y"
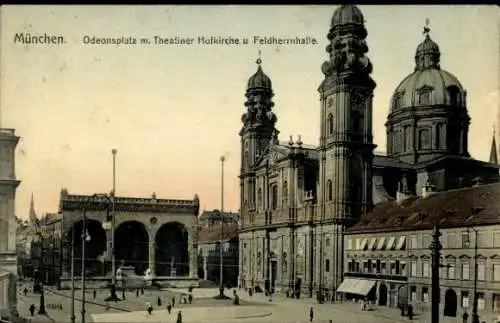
{"x": 193, "y": 256}
{"x": 152, "y": 254}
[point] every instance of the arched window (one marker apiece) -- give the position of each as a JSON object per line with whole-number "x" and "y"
{"x": 424, "y": 139}
{"x": 396, "y": 141}
{"x": 397, "y": 101}
{"x": 274, "y": 192}
{"x": 285, "y": 193}
{"x": 259, "y": 198}
{"x": 440, "y": 136}
{"x": 330, "y": 124}
{"x": 247, "y": 160}
{"x": 454, "y": 94}
{"x": 407, "y": 138}
{"x": 329, "y": 186}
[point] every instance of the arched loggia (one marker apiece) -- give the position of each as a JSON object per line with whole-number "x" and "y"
{"x": 171, "y": 246}
{"x": 132, "y": 246}
{"x": 95, "y": 247}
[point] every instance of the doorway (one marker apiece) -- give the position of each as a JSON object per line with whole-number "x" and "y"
{"x": 274, "y": 272}
{"x": 450, "y": 303}
{"x": 382, "y": 295}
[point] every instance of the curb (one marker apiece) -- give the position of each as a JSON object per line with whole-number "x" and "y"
{"x": 89, "y": 302}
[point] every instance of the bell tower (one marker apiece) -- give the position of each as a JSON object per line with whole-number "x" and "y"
{"x": 346, "y": 141}
{"x": 257, "y": 132}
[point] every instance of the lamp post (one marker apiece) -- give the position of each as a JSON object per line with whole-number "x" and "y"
{"x": 475, "y": 316}
{"x": 41, "y": 310}
{"x": 72, "y": 275}
{"x": 113, "y": 296}
{"x": 221, "y": 254}
{"x": 435, "y": 248}
{"x": 85, "y": 238}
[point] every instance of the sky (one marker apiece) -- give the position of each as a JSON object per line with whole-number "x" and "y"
{"x": 171, "y": 111}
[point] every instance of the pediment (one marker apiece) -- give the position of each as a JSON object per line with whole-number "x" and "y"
{"x": 464, "y": 257}
{"x": 497, "y": 257}
{"x": 425, "y": 88}
{"x": 272, "y": 155}
{"x": 450, "y": 257}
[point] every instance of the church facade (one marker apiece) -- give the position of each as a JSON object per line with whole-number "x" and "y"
{"x": 297, "y": 200}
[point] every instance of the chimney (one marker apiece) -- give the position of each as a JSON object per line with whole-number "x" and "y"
{"x": 428, "y": 189}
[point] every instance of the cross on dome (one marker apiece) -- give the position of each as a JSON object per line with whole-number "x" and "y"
{"x": 259, "y": 60}
{"x": 427, "y": 29}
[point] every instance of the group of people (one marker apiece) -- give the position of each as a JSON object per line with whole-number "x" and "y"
{"x": 170, "y": 305}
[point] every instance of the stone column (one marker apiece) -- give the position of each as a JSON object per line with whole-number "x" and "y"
{"x": 152, "y": 254}
{"x": 193, "y": 256}
{"x": 205, "y": 267}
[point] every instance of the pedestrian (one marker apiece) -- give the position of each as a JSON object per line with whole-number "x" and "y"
{"x": 123, "y": 294}
{"x": 32, "y": 309}
{"x": 311, "y": 314}
{"x": 173, "y": 301}
{"x": 142, "y": 291}
{"x": 410, "y": 312}
{"x": 149, "y": 308}
{"x": 137, "y": 292}
{"x": 159, "y": 301}
{"x": 465, "y": 317}
{"x": 190, "y": 298}
{"x": 25, "y": 291}
{"x": 94, "y": 293}
{"x": 169, "y": 308}
{"x": 179, "y": 317}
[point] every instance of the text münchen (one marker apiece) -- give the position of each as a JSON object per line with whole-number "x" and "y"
{"x": 27, "y": 38}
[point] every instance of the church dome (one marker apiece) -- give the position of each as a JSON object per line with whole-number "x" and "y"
{"x": 259, "y": 80}
{"x": 428, "y": 85}
{"x": 347, "y": 14}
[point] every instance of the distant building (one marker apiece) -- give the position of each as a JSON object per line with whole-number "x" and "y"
{"x": 211, "y": 218}
{"x": 46, "y": 248}
{"x": 8, "y": 225}
{"x": 209, "y": 241}
{"x": 387, "y": 256}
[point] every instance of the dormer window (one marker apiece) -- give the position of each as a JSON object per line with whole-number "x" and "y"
{"x": 424, "y": 97}
{"x": 397, "y": 101}
{"x": 454, "y": 94}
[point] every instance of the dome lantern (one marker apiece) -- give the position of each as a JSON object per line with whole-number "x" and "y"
{"x": 259, "y": 79}
{"x": 427, "y": 54}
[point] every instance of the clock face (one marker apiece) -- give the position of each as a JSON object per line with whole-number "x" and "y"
{"x": 357, "y": 100}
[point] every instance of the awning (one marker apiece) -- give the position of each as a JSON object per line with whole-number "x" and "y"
{"x": 381, "y": 244}
{"x": 390, "y": 244}
{"x": 356, "y": 286}
{"x": 401, "y": 243}
{"x": 371, "y": 246}
{"x": 363, "y": 244}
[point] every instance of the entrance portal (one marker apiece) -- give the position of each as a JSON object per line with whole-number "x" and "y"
{"x": 450, "y": 303}
{"x": 172, "y": 256}
{"x": 95, "y": 246}
{"x": 132, "y": 246}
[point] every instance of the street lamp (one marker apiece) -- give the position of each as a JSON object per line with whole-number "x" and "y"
{"x": 435, "y": 248}
{"x": 41, "y": 309}
{"x": 72, "y": 275}
{"x": 221, "y": 255}
{"x": 85, "y": 238}
{"x": 113, "y": 297}
{"x": 475, "y": 316}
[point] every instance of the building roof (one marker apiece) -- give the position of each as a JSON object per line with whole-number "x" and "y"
{"x": 216, "y": 215}
{"x": 479, "y": 205}
{"x": 213, "y": 234}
